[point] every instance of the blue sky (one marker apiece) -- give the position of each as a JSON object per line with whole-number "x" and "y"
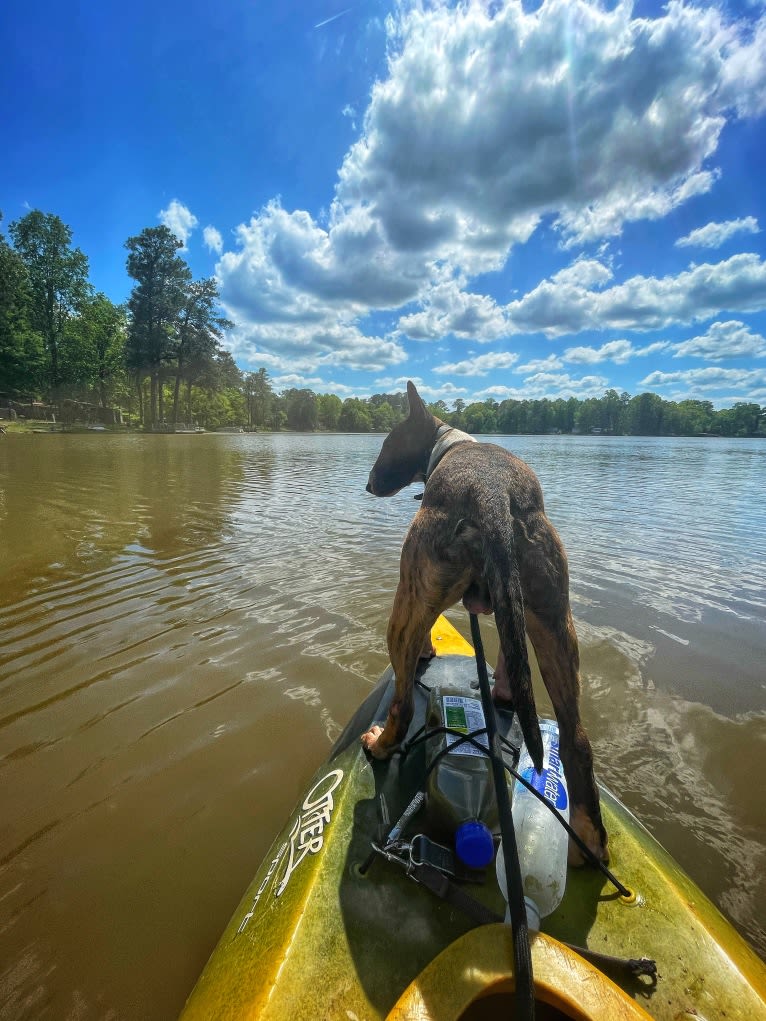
{"x": 493, "y": 199}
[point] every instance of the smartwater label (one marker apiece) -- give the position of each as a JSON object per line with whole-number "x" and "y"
{"x": 549, "y": 782}
{"x": 464, "y": 715}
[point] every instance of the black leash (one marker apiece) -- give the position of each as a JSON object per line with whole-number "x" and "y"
{"x": 522, "y": 955}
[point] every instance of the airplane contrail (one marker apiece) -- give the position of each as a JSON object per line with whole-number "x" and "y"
{"x": 333, "y": 18}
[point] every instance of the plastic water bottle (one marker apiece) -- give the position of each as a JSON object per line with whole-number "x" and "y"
{"x": 541, "y": 839}
{"x": 460, "y": 791}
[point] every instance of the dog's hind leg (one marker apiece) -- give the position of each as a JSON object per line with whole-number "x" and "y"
{"x": 545, "y": 582}
{"x": 555, "y": 644}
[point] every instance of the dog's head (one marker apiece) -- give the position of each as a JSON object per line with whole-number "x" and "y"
{"x": 403, "y": 458}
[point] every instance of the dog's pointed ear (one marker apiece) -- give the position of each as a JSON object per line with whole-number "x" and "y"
{"x": 417, "y": 407}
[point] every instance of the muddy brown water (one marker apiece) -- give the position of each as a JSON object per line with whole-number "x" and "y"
{"x": 188, "y": 622}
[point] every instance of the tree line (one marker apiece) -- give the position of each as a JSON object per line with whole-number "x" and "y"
{"x": 159, "y": 356}
{"x": 615, "y": 413}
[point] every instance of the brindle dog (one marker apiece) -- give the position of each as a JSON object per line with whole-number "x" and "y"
{"x": 481, "y": 534}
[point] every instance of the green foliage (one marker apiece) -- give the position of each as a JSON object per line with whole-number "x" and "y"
{"x": 300, "y": 406}
{"x": 22, "y": 356}
{"x": 217, "y": 408}
{"x": 329, "y": 407}
{"x": 480, "y": 418}
{"x": 195, "y": 340}
{"x": 696, "y": 417}
{"x": 58, "y": 282}
{"x": 259, "y": 398}
{"x": 93, "y": 351}
{"x": 741, "y": 420}
{"x": 383, "y": 418}
{"x": 174, "y": 330}
{"x": 154, "y": 307}
{"x": 355, "y": 416}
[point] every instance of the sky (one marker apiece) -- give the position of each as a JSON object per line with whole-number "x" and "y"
{"x": 494, "y": 199}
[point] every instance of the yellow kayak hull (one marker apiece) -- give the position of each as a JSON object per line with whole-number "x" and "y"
{"x": 315, "y": 937}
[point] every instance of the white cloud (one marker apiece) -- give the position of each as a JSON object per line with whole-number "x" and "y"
{"x": 743, "y": 77}
{"x": 642, "y": 303}
{"x": 583, "y": 273}
{"x": 708, "y": 380}
{"x": 440, "y": 391}
{"x": 349, "y": 112}
{"x": 289, "y": 269}
{"x": 479, "y": 366}
{"x": 213, "y": 239}
{"x": 548, "y": 364}
{"x": 721, "y": 341}
{"x": 606, "y": 219}
{"x": 551, "y": 385}
{"x": 490, "y": 119}
{"x": 599, "y": 118}
{"x": 617, "y": 351}
{"x": 299, "y": 382}
{"x": 449, "y": 309}
{"x": 305, "y": 348}
{"x": 178, "y": 219}
{"x": 713, "y": 235}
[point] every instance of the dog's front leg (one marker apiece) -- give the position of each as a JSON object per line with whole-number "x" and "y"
{"x": 408, "y": 635}
{"x": 428, "y": 584}
{"x": 425, "y": 589}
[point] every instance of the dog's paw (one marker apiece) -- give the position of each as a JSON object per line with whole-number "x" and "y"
{"x": 429, "y": 649}
{"x": 372, "y": 744}
{"x": 594, "y": 837}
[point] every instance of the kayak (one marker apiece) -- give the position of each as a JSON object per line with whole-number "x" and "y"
{"x": 331, "y": 929}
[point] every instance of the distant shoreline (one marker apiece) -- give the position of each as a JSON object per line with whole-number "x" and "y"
{"x": 44, "y": 427}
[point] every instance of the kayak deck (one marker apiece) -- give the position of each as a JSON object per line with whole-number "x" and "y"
{"x": 317, "y": 937}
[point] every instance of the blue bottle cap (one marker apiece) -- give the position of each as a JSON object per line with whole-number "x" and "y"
{"x": 473, "y": 844}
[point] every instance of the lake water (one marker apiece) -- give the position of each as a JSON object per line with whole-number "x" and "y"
{"x": 189, "y": 621}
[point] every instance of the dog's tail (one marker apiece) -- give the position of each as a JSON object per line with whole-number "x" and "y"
{"x": 501, "y": 571}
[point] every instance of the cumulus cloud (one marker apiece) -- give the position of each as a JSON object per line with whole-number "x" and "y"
{"x": 213, "y": 239}
{"x": 289, "y": 269}
{"x": 490, "y": 120}
{"x": 553, "y": 385}
{"x": 561, "y": 305}
{"x": 618, "y": 351}
{"x": 722, "y": 341}
{"x": 448, "y": 309}
{"x": 305, "y": 349}
{"x": 479, "y": 366}
{"x": 713, "y": 235}
{"x": 492, "y": 117}
{"x": 178, "y": 219}
{"x": 295, "y": 380}
{"x": 442, "y": 391}
{"x": 743, "y": 73}
{"x": 549, "y": 364}
{"x": 706, "y": 380}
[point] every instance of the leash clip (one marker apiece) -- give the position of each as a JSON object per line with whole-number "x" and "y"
{"x": 421, "y": 851}
{"x": 397, "y": 851}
